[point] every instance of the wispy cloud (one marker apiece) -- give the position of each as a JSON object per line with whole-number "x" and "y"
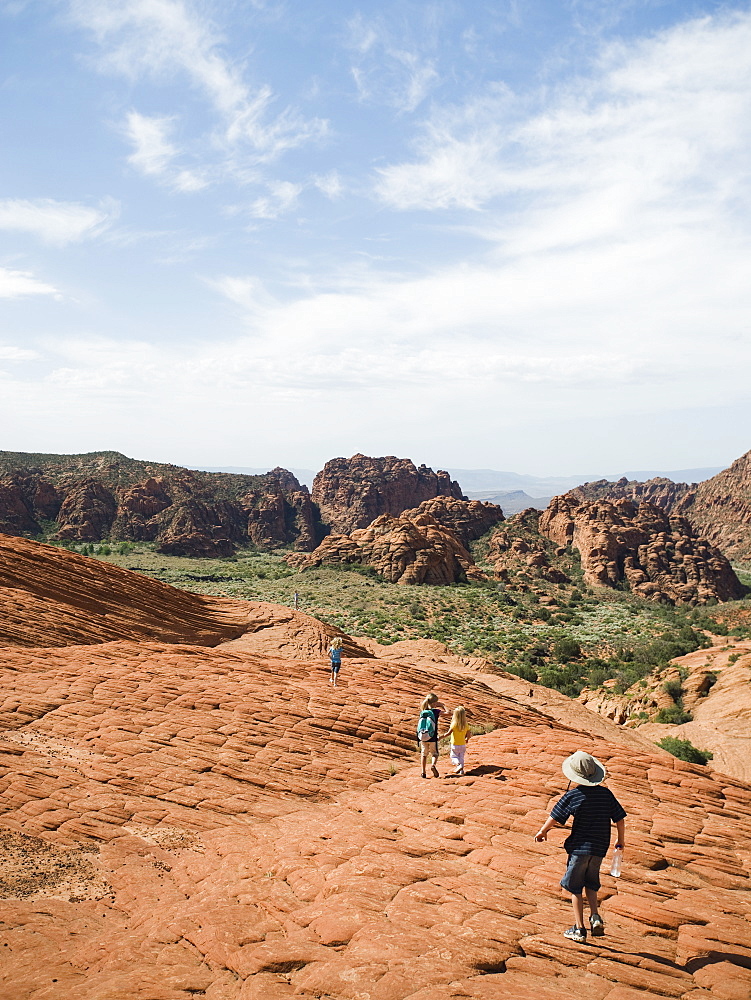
{"x": 15, "y": 284}
{"x": 155, "y": 155}
{"x": 282, "y": 196}
{"x": 388, "y": 67}
{"x": 153, "y": 151}
{"x": 330, "y": 184}
{"x": 651, "y": 123}
{"x": 10, "y": 353}
{"x": 56, "y": 222}
{"x": 166, "y": 39}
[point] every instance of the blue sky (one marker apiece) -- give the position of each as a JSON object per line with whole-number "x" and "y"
{"x": 507, "y": 235}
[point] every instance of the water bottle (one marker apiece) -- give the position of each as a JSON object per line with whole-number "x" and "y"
{"x": 615, "y": 868}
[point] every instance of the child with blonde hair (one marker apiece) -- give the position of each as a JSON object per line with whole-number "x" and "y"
{"x": 335, "y": 655}
{"x": 431, "y": 709}
{"x": 459, "y": 732}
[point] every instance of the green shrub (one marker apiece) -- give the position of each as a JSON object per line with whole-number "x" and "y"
{"x": 524, "y": 671}
{"x": 673, "y": 716}
{"x": 674, "y": 688}
{"x": 685, "y": 750}
{"x": 565, "y": 650}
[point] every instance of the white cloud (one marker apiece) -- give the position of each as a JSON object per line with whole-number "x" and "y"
{"x": 153, "y": 150}
{"x": 388, "y": 67}
{"x": 155, "y": 154}
{"x": 330, "y": 184}
{"x": 14, "y": 284}
{"x": 668, "y": 117}
{"x": 56, "y": 222}
{"x": 160, "y": 39}
{"x": 11, "y": 353}
{"x": 281, "y": 197}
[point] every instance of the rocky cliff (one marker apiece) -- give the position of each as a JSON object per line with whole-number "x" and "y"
{"x": 412, "y": 548}
{"x": 721, "y": 509}
{"x": 714, "y": 687}
{"x": 658, "y": 556}
{"x": 467, "y": 519}
{"x": 181, "y": 821}
{"x": 106, "y": 495}
{"x": 353, "y": 492}
{"x": 517, "y": 551}
{"x": 660, "y": 492}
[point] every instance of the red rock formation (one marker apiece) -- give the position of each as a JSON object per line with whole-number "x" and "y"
{"x": 178, "y": 821}
{"x": 279, "y": 516}
{"x": 410, "y": 549}
{"x": 720, "y": 508}
{"x": 87, "y": 512}
{"x": 16, "y": 517}
{"x": 52, "y": 597}
{"x": 353, "y": 492}
{"x": 192, "y": 528}
{"x": 715, "y": 689}
{"x": 512, "y": 556}
{"x": 660, "y": 492}
{"x": 658, "y": 556}
{"x": 186, "y": 512}
{"x": 468, "y": 519}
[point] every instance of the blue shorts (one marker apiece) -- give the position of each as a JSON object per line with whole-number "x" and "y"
{"x": 336, "y": 667}
{"x": 583, "y": 872}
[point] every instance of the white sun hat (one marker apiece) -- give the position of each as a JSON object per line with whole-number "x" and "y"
{"x": 584, "y": 769}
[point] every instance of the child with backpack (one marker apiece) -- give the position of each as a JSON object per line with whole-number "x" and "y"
{"x": 335, "y": 655}
{"x": 431, "y": 710}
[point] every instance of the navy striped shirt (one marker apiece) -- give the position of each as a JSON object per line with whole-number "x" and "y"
{"x": 593, "y": 808}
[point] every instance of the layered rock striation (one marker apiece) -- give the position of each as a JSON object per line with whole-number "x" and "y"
{"x": 658, "y": 556}
{"x": 714, "y": 688}
{"x": 352, "y": 492}
{"x": 178, "y": 821}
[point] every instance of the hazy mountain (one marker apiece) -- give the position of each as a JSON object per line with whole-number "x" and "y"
{"x": 304, "y": 476}
{"x": 512, "y": 501}
{"x": 487, "y": 482}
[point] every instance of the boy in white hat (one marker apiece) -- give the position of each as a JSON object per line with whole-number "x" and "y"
{"x": 593, "y": 809}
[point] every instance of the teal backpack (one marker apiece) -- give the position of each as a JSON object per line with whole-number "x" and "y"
{"x": 426, "y": 727}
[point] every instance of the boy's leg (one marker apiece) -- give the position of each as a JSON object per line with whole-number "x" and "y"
{"x": 578, "y": 906}
{"x": 573, "y": 883}
{"x": 423, "y": 758}
{"x": 434, "y": 761}
{"x": 596, "y": 924}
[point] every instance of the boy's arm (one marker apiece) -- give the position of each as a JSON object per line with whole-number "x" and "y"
{"x": 542, "y": 833}
{"x": 620, "y": 828}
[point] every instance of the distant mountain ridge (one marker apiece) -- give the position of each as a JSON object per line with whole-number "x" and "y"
{"x": 483, "y": 483}
{"x": 304, "y": 476}
{"x": 512, "y": 501}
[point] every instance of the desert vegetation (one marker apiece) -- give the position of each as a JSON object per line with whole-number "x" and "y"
{"x": 565, "y": 636}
